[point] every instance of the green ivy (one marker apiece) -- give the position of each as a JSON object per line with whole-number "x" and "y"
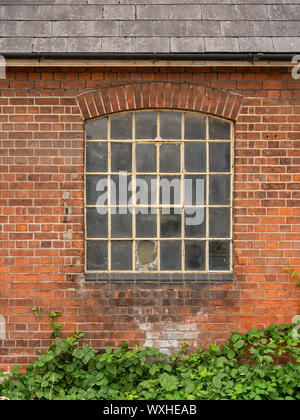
{"x": 246, "y": 367}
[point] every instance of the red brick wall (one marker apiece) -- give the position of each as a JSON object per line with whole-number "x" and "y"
{"x": 41, "y": 213}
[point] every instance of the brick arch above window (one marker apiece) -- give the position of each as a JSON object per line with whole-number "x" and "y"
{"x": 151, "y": 95}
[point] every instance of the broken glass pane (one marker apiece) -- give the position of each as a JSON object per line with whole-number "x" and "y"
{"x": 146, "y": 253}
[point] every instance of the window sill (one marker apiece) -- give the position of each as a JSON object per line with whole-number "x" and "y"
{"x": 160, "y": 277}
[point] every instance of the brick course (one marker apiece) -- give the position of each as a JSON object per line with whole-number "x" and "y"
{"x": 41, "y": 215}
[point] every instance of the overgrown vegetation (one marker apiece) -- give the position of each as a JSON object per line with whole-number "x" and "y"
{"x": 244, "y": 368}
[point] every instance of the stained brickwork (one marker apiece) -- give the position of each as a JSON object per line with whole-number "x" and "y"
{"x": 41, "y": 216}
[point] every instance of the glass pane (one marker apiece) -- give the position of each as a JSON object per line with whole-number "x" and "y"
{"x": 170, "y": 158}
{"x": 195, "y": 190}
{"x": 219, "y": 189}
{"x": 146, "y": 224}
{"x": 146, "y": 125}
{"x": 121, "y": 157}
{"x": 96, "y": 157}
{"x": 170, "y": 125}
{"x": 195, "y": 255}
{"x": 121, "y": 225}
{"x": 97, "y": 255}
{"x": 96, "y": 129}
{"x": 219, "y": 222}
{"x": 146, "y": 255}
{"x": 194, "y": 127}
{"x": 219, "y": 157}
{"x": 146, "y": 158}
{"x": 195, "y": 157}
{"x": 96, "y": 223}
{"x": 121, "y": 126}
{"x": 94, "y": 182}
{"x": 170, "y": 190}
{"x": 120, "y": 192}
{"x": 146, "y": 190}
{"x": 170, "y": 225}
{"x": 170, "y": 255}
{"x": 219, "y": 255}
{"x": 218, "y": 129}
{"x": 121, "y": 255}
{"x": 195, "y": 222}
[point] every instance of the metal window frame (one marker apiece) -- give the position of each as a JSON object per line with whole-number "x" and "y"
{"x": 158, "y": 142}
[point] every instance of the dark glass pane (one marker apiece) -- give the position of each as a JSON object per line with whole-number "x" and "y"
{"x": 195, "y": 190}
{"x": 96, "y": 157}
{"x": 218, "y": 129}
{"x": 170, "y": 255}
{"x": 146, "y": 125}
{"x": 219, "y": 189}
{"x": 170, "y": 190}
{"x": 219, "y": 222}
{"x": 194, "y": 127}
{"x": 96, "y": 129}
{"x": 195, "y": 157}
{"x": 96, "y": 223}
{"x": 121, "y": 225}
{"x": 119, "y": 186}
{"x": 146, "y": 224}
{"x": 195, "y": 255}
{"x": 121, "y": 255}
{"x": 170, "y": 125}
{"x": 219, "y": 255}
{"x": 195, "y": 222}
{"x": 121, "y": 157}
{"x": 170, "y": 158}
{"x": 146, "y": 255}
{"x": 121, "y": 126}
{"x": 146, "y": 190}
{"x": 94, "y": 182}
{"x": 96, "y": 255}
{"x": 170, "y": 225}
{"x": 219, "y": 157}
{"x": 146, "y": 158}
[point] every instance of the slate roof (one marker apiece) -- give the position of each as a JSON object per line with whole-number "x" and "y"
{"x": 149, "y": 26}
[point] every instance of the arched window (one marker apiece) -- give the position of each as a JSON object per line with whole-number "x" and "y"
{"x": 158, "y": 195}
